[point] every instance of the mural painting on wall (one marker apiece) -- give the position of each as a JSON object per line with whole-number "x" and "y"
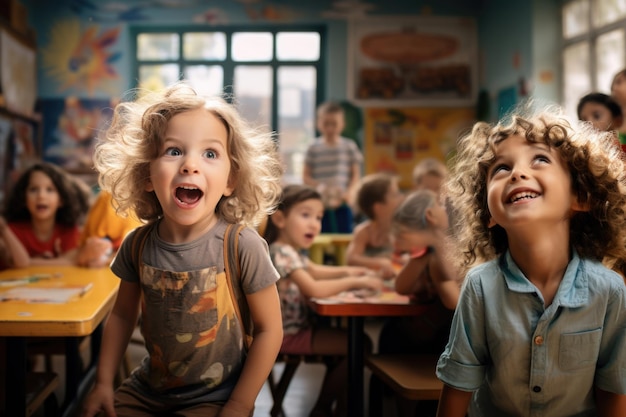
{"x": 397, "y": 139}
{"x": 418, "y": 61}
{"x": 71, "y": 126}
{"x": 82, "y": 59}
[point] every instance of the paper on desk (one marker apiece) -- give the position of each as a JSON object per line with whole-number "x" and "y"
{"x": 52, "y": 295}
{"x": 358, "y": 296}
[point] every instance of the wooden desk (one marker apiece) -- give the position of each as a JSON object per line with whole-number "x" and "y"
{"x": 82, "y": 316}
{"x": 339, "y": 242}
{"x": 386, "y": 304}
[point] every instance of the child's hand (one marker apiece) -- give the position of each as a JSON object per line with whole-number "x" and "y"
{"x": 357, "y": 271}
{"x": 100, "y": 399}
{"x": 96, "y": 251}
{"x": 371, "y": 282}
{"x": 234, "y": 409}
{"x": 387, "y": 270}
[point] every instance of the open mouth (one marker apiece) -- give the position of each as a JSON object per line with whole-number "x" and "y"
{"x": 188, "y": 195}
{"x": 526, "y": 195}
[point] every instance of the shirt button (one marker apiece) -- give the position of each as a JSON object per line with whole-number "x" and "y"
{"x": 537, "y": 388}
{"x": 539, "y": 340}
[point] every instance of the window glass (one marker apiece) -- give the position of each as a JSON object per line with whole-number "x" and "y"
{"x": 609, "y": 58}
{"x": 206, "y": 79}
{"x": 575, "y": 18}
{"x": 157, "y": 46}
{"x": 204, "y": 45}
{"x": 252, "y": 46}
{"x": 576, "y": 80}
{"x": 607, "y": 11}
{"x": 252, "y": 86}
{"x": 298, "y": 46}
{"x": 156, "y": 77}
{"x": 296, "y": 117}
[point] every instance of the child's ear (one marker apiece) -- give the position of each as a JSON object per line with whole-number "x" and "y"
{"x": 580, "y": 206}
{"x": 149, "y": 187}
{"x": 230, "y": 187}
{"x": 491, "y": 223}
{"x": 278, "y": 219}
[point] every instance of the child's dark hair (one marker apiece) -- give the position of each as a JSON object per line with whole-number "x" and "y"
{"x": 74, "y": 195}
{"x": 292, "y": 194}
{"x": 598, "y": 180}
{"x": 603, "y": 99}
{"x": 373, "y": 189}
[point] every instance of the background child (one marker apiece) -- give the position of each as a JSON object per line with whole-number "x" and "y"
{"x": 332, "y": 165}
{"x": 429, "y": 174}
{"x": 290, "y": 230}
{"x": 618, "y": 92}
{"x": 377, "y": 197}
{"x": 44, "y": 210}
{"x": 602, "y": 111}
{"x": 103, "y": 232}
{"x": 543, "y": 203}
{"x": 188, "y": 166}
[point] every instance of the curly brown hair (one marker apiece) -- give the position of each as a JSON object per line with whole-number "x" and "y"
{"x": 596, "y": 167}
{"x": 123, "y": 155}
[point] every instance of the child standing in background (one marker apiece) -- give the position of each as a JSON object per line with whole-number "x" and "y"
{"x": 377, "y": 197}
{"x": 332, "y": 165}
{"x": 618, "y": 92}
{"x": 188, "y": 166}
{"x": 44, "y": 210}
{"x": 540, "y": 326}
{"x": 290, "y": 230}
{"x": 429, "y": 174}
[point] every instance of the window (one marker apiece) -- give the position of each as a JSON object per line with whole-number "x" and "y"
{"x": 594, "y": 41}
{"x": 274, "y": 75}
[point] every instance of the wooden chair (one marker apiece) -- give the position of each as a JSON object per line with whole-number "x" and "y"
{"x": 40, "y": 388}
{"x": 291, "y": 362}
{"x": 411, "y": 376}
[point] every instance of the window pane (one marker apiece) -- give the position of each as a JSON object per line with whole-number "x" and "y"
{"x": 156, "y": 77}
{"x": 157, "y": 46}
{"x": 576, "y": 79}
{"x": 252, "y": 86}
{"x": 609, "y": 58}
{"x": 208, "y": 45}
{"x": 206, "y": 79}
{"x": 296, "y": 117}
{"x": 252, "y": 46}
{"x": 607, "y": 11}
{"x": 298, "y": 46}
{"x": 575, "y": 18}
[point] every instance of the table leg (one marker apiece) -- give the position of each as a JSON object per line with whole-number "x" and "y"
{"x": 355, "y": 366}
{"x": 15, "y": 384}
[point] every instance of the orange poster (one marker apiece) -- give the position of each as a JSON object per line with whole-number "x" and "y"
{"x": 398, "y": 138}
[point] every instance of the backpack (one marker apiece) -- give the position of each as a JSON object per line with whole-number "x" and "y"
{"x": 232, "y": 268}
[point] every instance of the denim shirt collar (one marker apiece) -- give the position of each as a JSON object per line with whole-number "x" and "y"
{"x": 573, "y": 290}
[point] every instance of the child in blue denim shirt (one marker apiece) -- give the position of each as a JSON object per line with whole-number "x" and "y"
{"x": 540, "y": 326}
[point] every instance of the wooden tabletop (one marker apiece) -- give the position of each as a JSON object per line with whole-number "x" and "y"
{"x": 77, "y": 317}
{"x": 383, "y": 304}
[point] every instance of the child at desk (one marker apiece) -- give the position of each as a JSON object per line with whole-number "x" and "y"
{"x": 290, "y": 231}
{"x": 377, "y": 197}
{"x": 540, "y": 324}
{"x": 44, "y": 210}
{"x": 189, "y": 167}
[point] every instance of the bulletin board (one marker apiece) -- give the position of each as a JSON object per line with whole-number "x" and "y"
{"x": 395, "y": 140}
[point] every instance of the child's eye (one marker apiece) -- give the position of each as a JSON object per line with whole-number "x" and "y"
{"x": 497, "y": 168}
{"x": 542, "y": 158}
{"x": 211, "y": 154}
{"x": 173, "y": 152}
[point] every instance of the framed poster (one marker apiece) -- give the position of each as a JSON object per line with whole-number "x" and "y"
{"x": 396, "y": 139}
{"x": 412, "y": 61}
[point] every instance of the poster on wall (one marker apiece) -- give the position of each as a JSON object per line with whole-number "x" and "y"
{"x": 396, "y": 139}
{"x": 412, "y": 61}
{"x": 71, "y": 126}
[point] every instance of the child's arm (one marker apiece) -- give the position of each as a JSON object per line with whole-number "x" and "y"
{"x": 408, "y": 280}
{"x": 268, "y": 335}
{"x": 356, "y": 254}
{"x": 17, "y": 253}
{"x": 453, "y": 402}
{"x": 311, "y": 287}
{"x": 610, "y": 404}
{"x": 445, "y": 278}
{"x": 325, "y": 272}
{"x": 117, "y": 332}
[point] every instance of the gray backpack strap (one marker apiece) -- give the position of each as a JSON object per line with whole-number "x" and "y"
{"x": 233, "y": 278}
{"x": 137, "y": 244}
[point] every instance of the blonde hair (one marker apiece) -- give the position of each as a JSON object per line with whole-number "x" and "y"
{"x": 411, "y": 214}
{"x": 598, "y": 180}
{"x": 123, "y": 155}
{"x": 429, "y": 166}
